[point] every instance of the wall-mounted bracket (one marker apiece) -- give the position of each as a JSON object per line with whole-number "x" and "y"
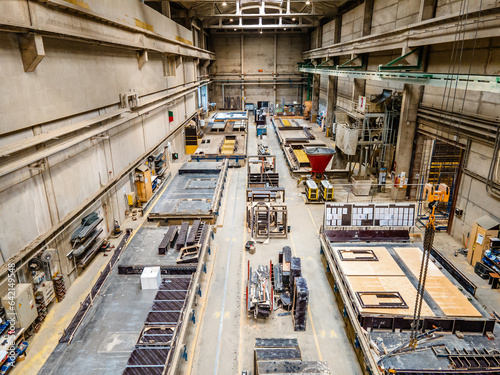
{"x": 99, "y": 136}
{"x": 324, "y": 63}
{"x": 413, "y": 61}
{"x": 142, "y": 58}
{"x": 32, "y": 50}
{"x": 348, "y": 65}
{"x": 39, "y": 165}
{"x": 129, "y": 99}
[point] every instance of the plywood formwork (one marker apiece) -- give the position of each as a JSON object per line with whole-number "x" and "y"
{"x": 384, "y": 266}
{"x": 450, "y": 300}
{"x": 399, "y": 284}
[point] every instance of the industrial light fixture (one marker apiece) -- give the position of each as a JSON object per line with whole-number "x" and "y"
{"x": 224, "y": 3}
{"x": 293, "y": 19}
{"x": 307, "y": 2}
{"x": 260, "y": 31}
{"x": 284, "y": 28}
{"x": 230, "y": 20}
{"x": 234, "y": 29}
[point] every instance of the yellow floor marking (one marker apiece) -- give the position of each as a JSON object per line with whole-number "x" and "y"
{"x": 332, "y": 334}
{"x": 308, "y": 309}
{"x": 243, "y": 295}
{"x": 226, "y": 315}
{"x": 312, "y": 218}
{"x": 217, "y": 314}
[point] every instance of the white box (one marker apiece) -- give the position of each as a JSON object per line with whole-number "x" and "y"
{"x": 151, "y": 278}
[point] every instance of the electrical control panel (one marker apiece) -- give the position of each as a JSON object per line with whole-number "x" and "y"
{"x": 23, "y": 302}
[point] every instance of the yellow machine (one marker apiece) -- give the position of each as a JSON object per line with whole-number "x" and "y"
{"x": 442, "y": 194}
{"x": 312, "y": 191}
{"x": 326, "y": 190}
{"x": 143, "y": 183}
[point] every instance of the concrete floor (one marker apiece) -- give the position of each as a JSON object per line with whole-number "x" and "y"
{"x": 222, "y": 340}
{"x": 223, "y": 343}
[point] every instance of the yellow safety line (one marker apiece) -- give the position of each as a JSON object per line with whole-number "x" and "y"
{"x": 312, "y": 218}
{"x": 242, "y": 312}
{"x": 309, "y": 310}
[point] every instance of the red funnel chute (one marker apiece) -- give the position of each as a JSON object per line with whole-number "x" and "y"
{"x": 319, "y": 157}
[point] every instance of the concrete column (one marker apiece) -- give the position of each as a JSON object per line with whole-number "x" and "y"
{"x": 241, "y": 54}
{"x": 315, "y": 98}
{"x": 331, "y": 100}
{"x": 367, "y": 18}
{"x": 275, "y": 97}
{"x": 427, "y": 10}
{"x": 165, "y": 9}
{"x": 358, "y": 89}
{"x": 319, "y": 39}
{"x": 51, "y": 196}
{"x": 412, "y": 95}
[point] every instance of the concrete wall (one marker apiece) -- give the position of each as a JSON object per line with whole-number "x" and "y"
{"x": 447, "y": 7}
{"x": 328, "y": 33}
{"x": 74, "y": 82}
{"x": 486, "y": 60}
{"x": 258, "y": 54}
{"x": 472, "y": 197}
{"x": 391, "y": 14}
{"x": 352, "y": 24}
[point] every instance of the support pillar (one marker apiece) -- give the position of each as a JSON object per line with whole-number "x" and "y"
{"x": 427, "y": 10}
{"x": 165, "y": 9}
{"x": 331, "y": 101}
{"x": 315, "y": 98}
{"x": 358, "y": 89}
{"x": 412, "y": 95}
{"x": 367, "y": 18}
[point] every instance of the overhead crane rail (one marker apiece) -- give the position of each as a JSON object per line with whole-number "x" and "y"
{"x": 461, "y": 81}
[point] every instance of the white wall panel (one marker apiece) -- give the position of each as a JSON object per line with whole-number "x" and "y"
{"x": 24, "y": 215}
{"x": 78, "y": 178}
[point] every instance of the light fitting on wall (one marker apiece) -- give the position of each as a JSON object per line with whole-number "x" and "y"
{"x": 260, "y": 31}
{"x": 230, "y": 20}
{"x": 307, "y": 2}
{"x": 234, "y": 29}
{"x": 224, "y": 3}
{"x": 293, "y": 19}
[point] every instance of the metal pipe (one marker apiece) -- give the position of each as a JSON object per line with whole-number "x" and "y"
{"x": 223, "y": 98}
{"x": 366, "y": 160}
{"x": 490, "y": 189}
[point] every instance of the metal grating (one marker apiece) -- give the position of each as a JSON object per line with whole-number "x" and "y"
{"x": 158, "y": 336}
{"x": 144, "y": 356}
